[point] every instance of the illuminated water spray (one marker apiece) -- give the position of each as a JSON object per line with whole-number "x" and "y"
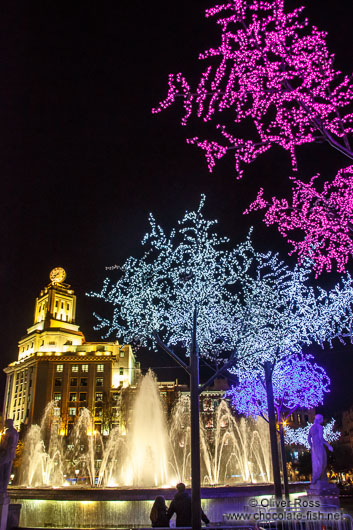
{"x": 146, "y": 463}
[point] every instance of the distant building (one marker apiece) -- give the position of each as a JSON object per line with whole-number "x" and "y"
{"x": 300, "y": 418}
{"x": 347, "y": 428}
{"x": 55, "y": 363}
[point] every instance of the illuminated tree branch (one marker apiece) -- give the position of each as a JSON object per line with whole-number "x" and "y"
{"x": 320, "y": 221}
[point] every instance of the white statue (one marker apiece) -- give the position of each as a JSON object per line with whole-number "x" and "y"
{"x": 318, "y": 451}
{"x": 8, "y": 446}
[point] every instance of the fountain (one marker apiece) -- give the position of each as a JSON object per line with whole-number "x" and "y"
{"x": 146, "y": 461}
{"x": 96, "y": 477}
{"x": 43, "y": 452}
{"x": 152, "y": 453}
{"x": 236, "y": 450}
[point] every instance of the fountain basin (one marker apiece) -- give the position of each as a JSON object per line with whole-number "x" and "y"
{"x": 124, "y": 507}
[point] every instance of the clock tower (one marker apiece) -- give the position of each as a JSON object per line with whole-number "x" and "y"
{"x": 56, "y": 301}
{"x": 56, "y": 365}
{"x": 54, "y": 318}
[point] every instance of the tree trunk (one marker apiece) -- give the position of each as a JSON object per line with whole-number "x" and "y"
{"x": 284, "y": 461}
{"x": 273, "y": 430}
{"x": 195, "y": 431}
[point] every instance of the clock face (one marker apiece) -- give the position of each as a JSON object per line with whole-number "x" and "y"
{"x": 57, "y": 275}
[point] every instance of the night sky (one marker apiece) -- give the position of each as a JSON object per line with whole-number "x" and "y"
{"x": 83, "y": 161}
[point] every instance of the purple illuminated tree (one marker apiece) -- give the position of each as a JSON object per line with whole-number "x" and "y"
{"x": 272, "y": 82}
{"x": 297, "y": 383}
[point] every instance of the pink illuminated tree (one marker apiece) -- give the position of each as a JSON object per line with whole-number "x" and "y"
{"x": 325, "y": 218}
{"x": 271, "y": 81}
{"x": 272, "y": 72}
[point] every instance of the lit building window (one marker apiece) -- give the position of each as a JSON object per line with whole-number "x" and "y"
{"x": 72, "y": 411}
{"x": 74, "y": 368}
{"x": 207, "y": 404}
{"x": 122, "y": 353}
{"x": 56, "y": 411}
{"x": 209, "y": 422}
{"x": 99, "y": 396}
{"x": 84, "y": 368}
{"x": 100, "y": 367}
{"x": 98, "y": 412}
{"x": 99, "y": 381}
{"x": 57, "y": 396}
{"x": 72, "y": 396}
{"x": 59, "y": 367}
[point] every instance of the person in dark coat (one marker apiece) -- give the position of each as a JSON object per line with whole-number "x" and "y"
{"x": 158, "y": 513}
{"x": 181, "y": 506}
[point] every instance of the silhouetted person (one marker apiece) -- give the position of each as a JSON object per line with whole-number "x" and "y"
{"x": 181, "y": 506}
{"x": 158, "y": 513}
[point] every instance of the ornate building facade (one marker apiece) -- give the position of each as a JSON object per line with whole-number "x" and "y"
{"x": 55, "y": 363}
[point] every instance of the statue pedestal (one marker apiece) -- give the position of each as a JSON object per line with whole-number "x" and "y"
{"x": 13, "y": 516}
{"x": 326, "y": 492}
{"x": 4, "y": 509}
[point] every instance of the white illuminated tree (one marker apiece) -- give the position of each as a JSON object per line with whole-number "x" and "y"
{"x": 248, "y": 303}
{"x": 190, "y": 267}
{"x": 252, "y": 309}
{"x": 300, "y": 435}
